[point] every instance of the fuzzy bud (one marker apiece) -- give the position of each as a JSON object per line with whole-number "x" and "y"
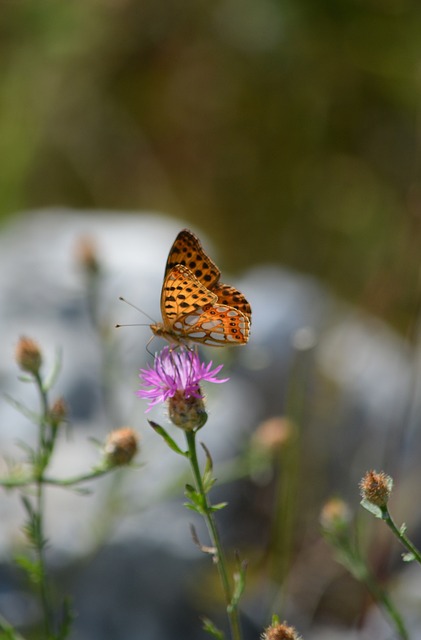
{"x": 280, "y": 632}
{"x": 58, "y": 412}
{"x": 376, "y": 488}
{"x": 121, "y": 446}
{"x": 86, "y": 255}
{"x": 272, "y": 434}
{"x": 28, "y": 355}
{"x": 335, "y": 515}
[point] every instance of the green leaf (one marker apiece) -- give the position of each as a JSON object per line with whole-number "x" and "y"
{"x": 68, "y": 615}
{"x": 210, "y": 628}
{"x": 408, "y": 557}
{"x": 170, "y": 442}
{"x": 239, "y": 584}
{"x": 193, "y": 507}
{"x": 196, "y": 499}
{"x": 208, "y": 480}
{"x": 402, "y": 529}
{"x": 52, "y": 378}
{"x": 31, "y": 568}
{"x": 372, "y": 508}
{"x": 28, "y": 413}
{"x": 8, "y": 633}
{"x": 219, "y": 506}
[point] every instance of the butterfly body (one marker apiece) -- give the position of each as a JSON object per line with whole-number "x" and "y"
{"x": 195, "y": 306}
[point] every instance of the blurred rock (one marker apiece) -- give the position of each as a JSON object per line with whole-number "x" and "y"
{"x": 353, "y": 376}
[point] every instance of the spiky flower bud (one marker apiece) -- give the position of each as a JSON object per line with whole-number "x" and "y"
{"x": 280, "y": 632}
{"x": 121, "y": 446}
{"x": 86, "y": 255}
{"x": 58, "y": 412}
{"x": 335, "y": 515}
{"x": 273, "y": 434}
{"x": 28, "y": 355}
{"x": 376, "y": 488}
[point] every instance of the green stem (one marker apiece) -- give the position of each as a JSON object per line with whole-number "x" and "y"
{"x": 44, "y": 454}
{"x": 401, "y": 535}
{"x": 11, "y": 483}
{"x": 232, "y": 610}
{"x": 381, "y": 596}
{"x": 44, "y": 416}
{"x": 353, "y": 561}
{"x": 44, "y": 589}
{"x": 10, "y": 632}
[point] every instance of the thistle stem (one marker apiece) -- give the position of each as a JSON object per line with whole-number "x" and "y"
{"x": 232, "y": 609}
{"x": 399, "y": 533}
{"x": 44, "y": 453}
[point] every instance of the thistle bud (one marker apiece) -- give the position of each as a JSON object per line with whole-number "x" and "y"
{"x": 58, "y": 412}
{"x": 187, "y": 412}
{"x": 28, "y": 355}
{"x": 272, "y": 434}
{"x": 280, "y": 632}
{"x": 335, "y": 515}
{"x": 86, "y": 255}
{"x": 121, "y": 446}
{"x": 376, "y": 488}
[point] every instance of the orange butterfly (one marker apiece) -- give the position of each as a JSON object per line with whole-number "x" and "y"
{"x": 195, "y": 306}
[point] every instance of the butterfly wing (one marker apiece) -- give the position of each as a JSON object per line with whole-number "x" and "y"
{"x": 191, "y": 312}
{"x": 188, "y": 252}
{"x": 231, "y": 297}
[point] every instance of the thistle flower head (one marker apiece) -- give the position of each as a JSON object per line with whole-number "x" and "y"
{"x": 175, "y": 378}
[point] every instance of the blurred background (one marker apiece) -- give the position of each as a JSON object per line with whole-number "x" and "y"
{"x": 288, "y": 133}
{"x": 293, "y": 125}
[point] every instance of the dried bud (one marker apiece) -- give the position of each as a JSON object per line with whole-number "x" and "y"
{"x": 58, "y": 412}
{"x": 376, "y": 488}
{"x": 335, "y": 515}
{"x": 280, "y": 632}
{"x": 272, "y": 434}
{"x": 188, "y": 413}
{"x": 86, "y": 255}
{"x": 28, "y": 355}
{"x": 121, "y": 446}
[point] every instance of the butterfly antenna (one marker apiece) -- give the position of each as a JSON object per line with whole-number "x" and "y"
{"x": 137, "y": 309}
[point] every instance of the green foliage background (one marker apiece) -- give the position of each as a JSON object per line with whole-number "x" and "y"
{"x": 288, "y": 129}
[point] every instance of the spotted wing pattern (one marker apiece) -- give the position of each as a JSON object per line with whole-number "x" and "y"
{"x": 188, "y": 251}
{"x": 192, "y": 312}
{"x": 195, "y": 306}
{"x": 232, "y": 298}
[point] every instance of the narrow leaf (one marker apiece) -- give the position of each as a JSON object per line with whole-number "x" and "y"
{"x": 210, "y": 628}
{"x": 239, "y": 583}
{"x": 50, "y": 381}
{"x": 33, "y": 416}
{"x": 170, "y": 442}
{"x": 219, "y": 506}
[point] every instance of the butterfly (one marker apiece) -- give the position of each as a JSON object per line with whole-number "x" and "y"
{"x": 195, "y": 305}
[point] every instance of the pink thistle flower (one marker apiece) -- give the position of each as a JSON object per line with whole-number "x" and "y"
{"x": 176, "y": 372}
